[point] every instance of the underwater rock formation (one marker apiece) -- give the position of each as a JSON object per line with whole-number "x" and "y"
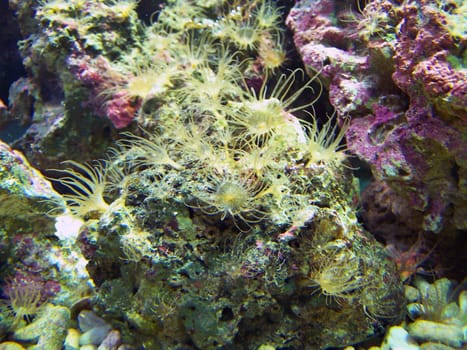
{"x": 175, "y": 275}
{"x": 229, "y": 215}
{"x": 230, "y": 220}
{"x": 398, "y": 71}
{"x": 51, "y": 109}
{"x": 36, "y": 269}
{"x": 24, "y": 194}
{"x": 48, "y": 330}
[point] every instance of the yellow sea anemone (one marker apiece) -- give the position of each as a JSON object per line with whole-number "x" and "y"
{"x": 338, "y": 276}
{"x": 85, "y": 187}
{"x": 230, "y": 194}
{"x": 324, "y": 145}
{"x": 264, "y": 114}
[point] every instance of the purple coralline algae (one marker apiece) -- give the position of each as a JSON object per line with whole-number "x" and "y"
{"x": 397, "y": 70}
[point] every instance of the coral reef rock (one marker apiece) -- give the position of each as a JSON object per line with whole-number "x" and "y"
{"x": 398, "y": 71}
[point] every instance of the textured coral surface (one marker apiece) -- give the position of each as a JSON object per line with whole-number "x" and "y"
{"x": 398, "y": 70}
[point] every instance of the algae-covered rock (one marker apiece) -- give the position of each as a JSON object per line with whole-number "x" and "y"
{"x": 452, "y": 335}
{"x": 409, "y": 129}
{"x": 180, "y": 270}
{"x": 9, "y": 345}
{"x": 49, "y": 330}
{"x": 57, "y": 120}
{"x": 36, "y": 267}
{"x": 25, "y": 196}
{"x": 247, "y": 288}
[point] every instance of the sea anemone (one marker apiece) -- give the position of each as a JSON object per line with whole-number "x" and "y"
{"x": 23, "y": 300}
{"x": 145, "y": 82}
{"x": 271, "y": 54}
{"x": 211, "y": 84}
{"x": 181, "y": 15}
{"x": 324, "y": 145}
{"x": 242, "y": 34}
{"x": 123, "y": 9}
{"x": 153, "y": 152}
{"x": 264, "y": 114}
{"x": 230, "y": 194}
{"x": 338, "y": 276}
{"x": 267, "y": 15}
{"x": 85, "y": 187}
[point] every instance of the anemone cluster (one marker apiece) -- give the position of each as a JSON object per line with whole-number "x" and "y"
{"x": 218, "y": 141}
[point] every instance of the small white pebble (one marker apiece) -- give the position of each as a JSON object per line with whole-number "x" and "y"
{"x": 398, "y": 339}
{"x": 87, "y": 320}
